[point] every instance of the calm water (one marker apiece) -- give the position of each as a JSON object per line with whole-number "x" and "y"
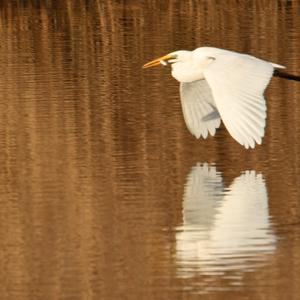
{"x": 104, "y": 193}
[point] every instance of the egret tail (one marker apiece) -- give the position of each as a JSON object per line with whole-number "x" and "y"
{"x": 281, "y": 74}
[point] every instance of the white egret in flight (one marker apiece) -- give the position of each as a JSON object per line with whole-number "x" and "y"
{"x": 219, "y": 84}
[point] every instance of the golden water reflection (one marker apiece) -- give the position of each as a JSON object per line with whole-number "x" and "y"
{"x": 94, "y": 153}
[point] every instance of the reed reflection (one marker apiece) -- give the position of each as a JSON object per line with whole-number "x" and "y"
{"x": 224, "y": 229}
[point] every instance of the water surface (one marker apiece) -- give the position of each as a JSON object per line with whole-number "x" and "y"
{"x": 104, "y": 193}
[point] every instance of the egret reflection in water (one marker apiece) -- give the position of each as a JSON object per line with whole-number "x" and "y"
{"x": 224, "y": 229}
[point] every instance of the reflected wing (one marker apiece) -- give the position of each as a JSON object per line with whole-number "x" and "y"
{"x": 200, "y": 114}
{"x": 202, "y": 191}
{"x": 245, "y": 208}
{"x": 238, "y": 82}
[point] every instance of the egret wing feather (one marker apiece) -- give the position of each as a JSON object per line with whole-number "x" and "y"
{"x": 199, "y": 111}
{"x": 237, "y": 83}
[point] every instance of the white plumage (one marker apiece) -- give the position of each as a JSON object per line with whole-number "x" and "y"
{"x": 218, "y": 84}
{"x": 199, "y": 108}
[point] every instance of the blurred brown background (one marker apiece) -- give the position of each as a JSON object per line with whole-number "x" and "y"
{"x": 94, "y": 152}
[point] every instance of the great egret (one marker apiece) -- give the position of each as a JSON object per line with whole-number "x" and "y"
{"x": 219, "y": 84}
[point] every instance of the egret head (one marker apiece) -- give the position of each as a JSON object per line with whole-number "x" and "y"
{"x": 170, "y": 58}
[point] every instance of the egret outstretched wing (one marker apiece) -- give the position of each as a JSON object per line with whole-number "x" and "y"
{"x": 237, "y": 83}
{"x": 199, "y": 111}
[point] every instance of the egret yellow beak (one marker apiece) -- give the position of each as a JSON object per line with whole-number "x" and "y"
{"x": 157, "y": 61}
